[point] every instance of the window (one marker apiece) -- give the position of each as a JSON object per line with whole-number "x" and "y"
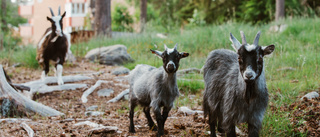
{"x": 78, "y": 8}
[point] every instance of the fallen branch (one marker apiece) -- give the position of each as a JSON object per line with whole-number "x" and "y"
{"x": 23, "y": 101}
{"x": 53, "y": 80}
{"x": 119, "y": 96}
{"x": 14, "y": 120}
{"x": 91, "y": 89}
{"x": 47, "y": 89}
{"x": 28, "y": 129}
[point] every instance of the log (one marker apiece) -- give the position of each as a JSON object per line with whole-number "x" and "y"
{"x": 53, "y": 80}
{"x": 14, "y": 120}
{"x": 39, "y": 86}
{"x": 119, "y": 96}
{"x": 28, "y": 129}
{"x": 91, "y": 89}
{"x": 23, "y": 101}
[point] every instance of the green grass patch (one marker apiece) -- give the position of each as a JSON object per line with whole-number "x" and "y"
{"x": 297, "y": 48}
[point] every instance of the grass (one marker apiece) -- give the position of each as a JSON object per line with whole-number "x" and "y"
{"x": 297, "y": 47}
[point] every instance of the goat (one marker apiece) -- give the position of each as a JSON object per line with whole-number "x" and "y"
{"x": 54, "y": 45}
{"x": 154, "y": 88}
{"x": 235, "y": 87}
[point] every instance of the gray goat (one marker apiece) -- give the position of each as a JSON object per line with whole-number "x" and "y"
{"x": 235, "y": 87}
{"x": 154, "y": 88}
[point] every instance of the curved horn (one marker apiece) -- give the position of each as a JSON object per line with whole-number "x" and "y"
{"x": 51, "y": 11}
{"x": 176, "y": 46}
{"x": 59, "y": 11}
{"x": 256, "y": 40}
{"x": 243, "y": 37}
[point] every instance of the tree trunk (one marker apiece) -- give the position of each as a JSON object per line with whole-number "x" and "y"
{"x": 4, "y": 13}
{"x": 7, "y": 91}
{"x": 102, "y": 18}
{"x": 279, "y": 9}
{"x": 3, "y": 24}
{"x": 143, "y": 15}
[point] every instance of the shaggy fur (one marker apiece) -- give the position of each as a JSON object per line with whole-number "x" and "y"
{"x": 228, "y": 98}
{"x": 155, "y": 88}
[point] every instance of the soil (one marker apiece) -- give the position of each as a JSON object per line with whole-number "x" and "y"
{"x": 115, "y": 114}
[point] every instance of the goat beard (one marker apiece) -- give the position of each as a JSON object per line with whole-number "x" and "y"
{"x": 250, "y": 92}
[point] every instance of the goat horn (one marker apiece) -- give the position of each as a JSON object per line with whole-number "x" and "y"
{"x": 51, "y": 11}
{"x": 243, "y": 37}
{"x": 59, "y": 11}
{"x": 176, "y": 46}
{"x": 256, "y": 40}
{"x": 165, "y": 46}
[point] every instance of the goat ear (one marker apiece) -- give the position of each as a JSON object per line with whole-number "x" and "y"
{"x": 64, "y": 14}
{"x": 183, "y": 54}
{"x": 158, "y": 53}
{"x": 235, "y": 43}
{"x": 268, "y": 49}
{"x": 48, "y": 18}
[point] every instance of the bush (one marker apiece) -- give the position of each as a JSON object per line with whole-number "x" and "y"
{"x": 121, "y": 20}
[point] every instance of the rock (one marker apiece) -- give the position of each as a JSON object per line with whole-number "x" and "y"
{"x": 103, "y": 129}
{"x": 160, "y": 35}
{"x": 311, "y": 95}
{"x": 88, "y": 123}
{"x": 7, "y": 107}
{"x": 91, "y": 108}
{"x": 278, "y": 28}
{"x": 105, "y": 92}
{"x": 120, "y": 71}
{"x": 111, "y": 55}
{"x": 94, "y": 113}
{"x": 188, "y": 111}
{"x": 126, "y": 97}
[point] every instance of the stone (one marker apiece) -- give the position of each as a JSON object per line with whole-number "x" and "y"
{"x": 92, "y": 108}
{"x": 110, "y": 55}
{"x": 7, "y": 107}
{"x": 105, "y": 92}
{"x": 120, "y": 71}
{"x": 311, "y": 95}
{"x": 188, "y": 111}
{"x": 94, "y": 113}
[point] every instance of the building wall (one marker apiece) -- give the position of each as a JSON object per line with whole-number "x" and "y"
{"x": 41, "y": 11}
{"x": 37, "y": 11}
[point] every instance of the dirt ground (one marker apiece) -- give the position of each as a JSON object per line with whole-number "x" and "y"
{"x": 117, "y": 114}
{"x": 69, "y": 103}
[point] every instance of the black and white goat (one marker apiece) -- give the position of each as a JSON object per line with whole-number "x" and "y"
{"x": 235, "y": 87}
{"x": 155, "y": 88}
{"x": 54, "y": 45}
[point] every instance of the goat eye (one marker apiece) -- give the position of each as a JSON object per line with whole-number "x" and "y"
{"x": 240, "y": 60}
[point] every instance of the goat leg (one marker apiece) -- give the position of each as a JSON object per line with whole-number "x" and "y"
{"x": 160, "y": 122}
{"x": 232, "y": 131}
{"x": 132, "y": 106}
{"x": 165, "y": 113}
{"x": 212, "y": 123}
{"x": 151, "y": 124}
{"x": 253, "y": 130}
{"x": 220, "y": 129}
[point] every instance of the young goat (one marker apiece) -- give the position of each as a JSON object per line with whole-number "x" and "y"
{"x": 155, "y": 87}
{"x": 53, "y": 46}
{"x": 235, "y": 87}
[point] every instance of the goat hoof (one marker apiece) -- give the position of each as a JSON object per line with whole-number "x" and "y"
{"x": 132, "y": 130}
{"x": 60, "y": 82}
